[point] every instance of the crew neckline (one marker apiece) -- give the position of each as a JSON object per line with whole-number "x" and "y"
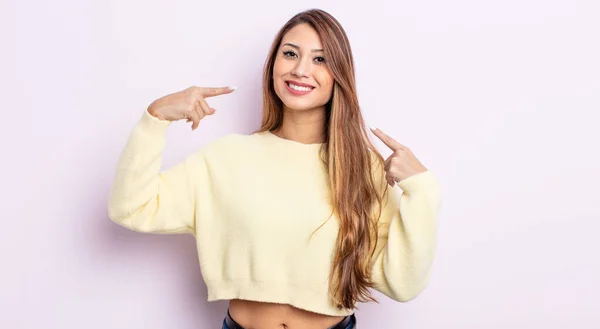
{"x": 290, "y": 142}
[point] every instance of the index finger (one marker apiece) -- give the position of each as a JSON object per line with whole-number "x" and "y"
{"x": 387, "y": 140}
{"x": 211, "y": 92}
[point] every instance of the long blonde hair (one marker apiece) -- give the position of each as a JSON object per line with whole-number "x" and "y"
{"x": 348, "y": 155}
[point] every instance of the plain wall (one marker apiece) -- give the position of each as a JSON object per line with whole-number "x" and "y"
{"x": 500, "y": 99}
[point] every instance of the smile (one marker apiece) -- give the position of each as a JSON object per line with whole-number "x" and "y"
{"x": 298, "y": 90}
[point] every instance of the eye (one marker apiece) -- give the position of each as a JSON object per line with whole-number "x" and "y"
{"x": 289, "y": 53}
{"x": 320, "y": 59}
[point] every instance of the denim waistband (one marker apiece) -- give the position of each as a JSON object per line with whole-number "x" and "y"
{"x": 349, "y": 322}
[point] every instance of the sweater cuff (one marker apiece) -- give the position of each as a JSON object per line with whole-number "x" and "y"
{"x": 418, "y": 182}
{"x": 152, "y": 124}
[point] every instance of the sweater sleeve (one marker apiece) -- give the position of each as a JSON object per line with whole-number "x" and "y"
{"x": 142, "y": 197}
{"x": 407, "y": 237}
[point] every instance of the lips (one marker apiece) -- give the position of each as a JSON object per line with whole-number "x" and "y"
{"x": 297, "y": 88}
{"x": 300, "y": 84}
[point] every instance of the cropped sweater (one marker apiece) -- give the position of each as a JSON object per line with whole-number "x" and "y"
{"x": 259, "y": 208}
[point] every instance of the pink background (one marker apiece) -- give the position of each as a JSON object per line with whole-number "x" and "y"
{"x": 499, "y": 98}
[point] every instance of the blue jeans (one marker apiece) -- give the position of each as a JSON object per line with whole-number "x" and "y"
{"x": 351, "y": 325}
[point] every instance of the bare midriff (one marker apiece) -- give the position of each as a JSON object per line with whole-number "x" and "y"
{"x": 259, "y": 315}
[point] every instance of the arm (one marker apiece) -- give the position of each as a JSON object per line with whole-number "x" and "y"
{"x": 144, "y": 199}
{"x": 407, "y": 237}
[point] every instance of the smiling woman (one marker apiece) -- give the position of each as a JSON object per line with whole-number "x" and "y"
{"x": 314, "y": 226}
{"x": 300, "y": 70}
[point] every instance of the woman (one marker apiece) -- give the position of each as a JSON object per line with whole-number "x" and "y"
{"x": 295, "y": 222}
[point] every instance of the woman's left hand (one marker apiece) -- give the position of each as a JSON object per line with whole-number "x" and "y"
{"x": 402, "y": 163}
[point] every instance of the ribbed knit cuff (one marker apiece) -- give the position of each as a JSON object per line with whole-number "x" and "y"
{"x": 418, "y": 182}
{"x": 152, "y": 124}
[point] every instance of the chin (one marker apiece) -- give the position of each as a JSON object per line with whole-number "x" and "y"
{"x": 299, "y": 106}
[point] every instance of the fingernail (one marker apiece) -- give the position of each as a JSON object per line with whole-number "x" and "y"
{"x": 232, "y": 87}
{"x": 373, "y": 128}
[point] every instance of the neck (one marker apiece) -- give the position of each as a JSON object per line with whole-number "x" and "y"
{"x": 303, "y": 126}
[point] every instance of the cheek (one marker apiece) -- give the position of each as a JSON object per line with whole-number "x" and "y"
{"x": 281, "y": 67}
{"x": 276, "y": 76}
{"x": 276, "y": 67}
{"x": 325, "y": 81}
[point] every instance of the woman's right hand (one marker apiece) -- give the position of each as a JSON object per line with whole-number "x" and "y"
{"x": 187, "y": 104}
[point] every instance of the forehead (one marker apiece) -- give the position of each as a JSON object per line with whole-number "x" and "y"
{"x": 304, "y": 36}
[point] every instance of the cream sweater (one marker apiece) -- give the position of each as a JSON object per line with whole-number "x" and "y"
{"x": 252, "y": 202}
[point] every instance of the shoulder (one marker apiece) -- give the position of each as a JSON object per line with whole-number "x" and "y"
{"x": 233, "y": 143}
{"x": 229, "y": 140}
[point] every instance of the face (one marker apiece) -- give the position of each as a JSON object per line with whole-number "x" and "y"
{"x": 301, "y": 77}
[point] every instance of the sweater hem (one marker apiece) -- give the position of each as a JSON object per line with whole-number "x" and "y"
{"x": 418, "y": 182}
{"x": 152, "y": 124}
{"x": 279, "y": 293}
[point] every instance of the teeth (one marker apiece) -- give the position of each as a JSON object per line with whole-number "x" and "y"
{"x": 293, "y": 86}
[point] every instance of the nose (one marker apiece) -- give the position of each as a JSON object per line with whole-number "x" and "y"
{"x": 302, "y": 68}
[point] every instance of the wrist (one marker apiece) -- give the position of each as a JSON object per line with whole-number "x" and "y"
{"x": 152, "y": 111}
{"x": 152, "y": 124}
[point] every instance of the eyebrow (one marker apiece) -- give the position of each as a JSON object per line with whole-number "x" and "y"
{"x": 298, "y": 47}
